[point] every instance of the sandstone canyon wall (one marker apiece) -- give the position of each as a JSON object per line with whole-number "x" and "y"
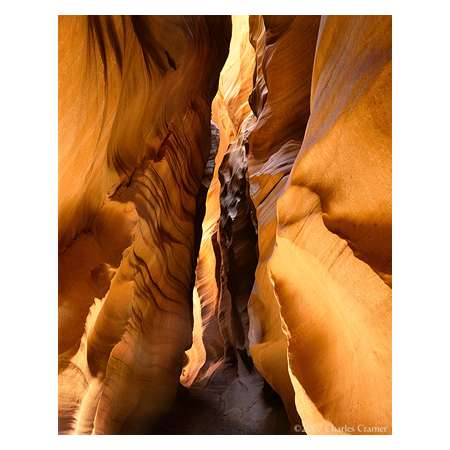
{"x": 134, "y": 141}
{"x": 247, "y": 257}
{"x": 321, "y": 183}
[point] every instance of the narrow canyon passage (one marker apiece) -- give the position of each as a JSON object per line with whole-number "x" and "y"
{"x": 224, "y": 225}
{"x": 224, "y": 391}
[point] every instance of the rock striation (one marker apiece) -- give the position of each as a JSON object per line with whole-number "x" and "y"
{"x": 225, "y": 224}
{"x": 133, "y": 149}
{"x": 320, "y": 179}
{"x": 220, "y": 372}
{"x": 280, "y": 102}
{"x": 230, "y": 108}
{"x": 338, "y": 237}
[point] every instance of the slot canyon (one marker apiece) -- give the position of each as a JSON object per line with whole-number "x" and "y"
{"x": 224, "y": 225}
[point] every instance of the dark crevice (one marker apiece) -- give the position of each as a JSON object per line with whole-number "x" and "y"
{"x": 170, "y": 60}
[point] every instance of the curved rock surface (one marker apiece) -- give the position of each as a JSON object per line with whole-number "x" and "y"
{"x": 130, "y": 175}
{"x": 225, "y": 242}
{"x": 338, "y": 238}
{"x": 229, "y": 110}
{"x": 220, "y": 374}
{"x": 323, "y": 199}
{"x": 280, "y": 100}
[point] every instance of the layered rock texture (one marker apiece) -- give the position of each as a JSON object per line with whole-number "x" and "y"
{"x": 135, "y": 115}
{"x": 225, "y": 224}
{"x": 320, "y": 177}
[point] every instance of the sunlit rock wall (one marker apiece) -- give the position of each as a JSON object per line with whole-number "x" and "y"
{"x": 230, "y": 108}
{"x": 227, "y": 262}
{"x": 198, "y": 246}
{"x": 338, "y": 239}
{"x": 320, "y": 179}
{"x": 280, "y": 100}
{"x": 135, "y": 109}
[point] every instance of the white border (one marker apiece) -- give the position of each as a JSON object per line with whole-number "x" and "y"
{"x": 421, "y": 222}
{"x": 236, "y": 7}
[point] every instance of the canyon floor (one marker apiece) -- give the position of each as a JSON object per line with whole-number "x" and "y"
{"x": 225, "y": 404}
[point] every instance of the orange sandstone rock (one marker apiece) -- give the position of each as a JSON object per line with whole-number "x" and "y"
{"x": 134, "y": 130}
{"x": 321, "y": 304}
{"x": 232, "y": 253}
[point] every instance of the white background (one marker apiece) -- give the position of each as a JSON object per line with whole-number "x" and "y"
{"x": 28, "y": 202}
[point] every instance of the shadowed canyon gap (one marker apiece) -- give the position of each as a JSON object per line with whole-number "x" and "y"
{"x": 225, "y": 225}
